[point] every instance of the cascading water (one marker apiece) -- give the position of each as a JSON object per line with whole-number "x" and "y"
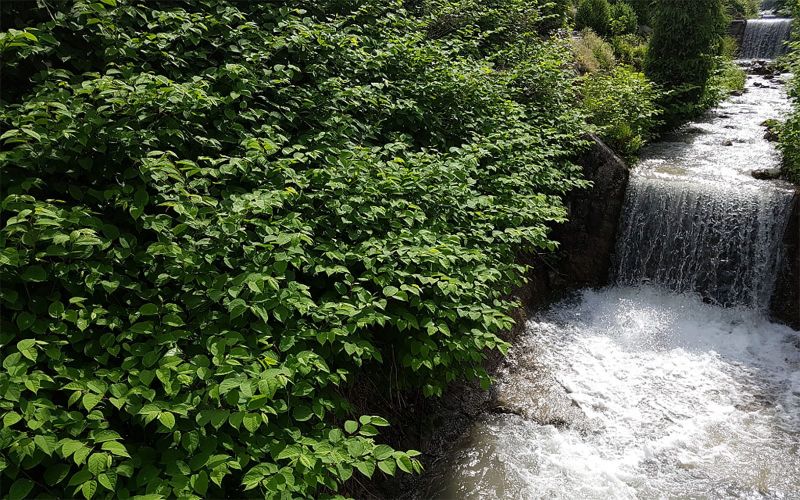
{"x": 721, "y": 242}
{"x": 769, "y": 5}
{"x": 765, "y": 38}
{"x": 668, "y": 393}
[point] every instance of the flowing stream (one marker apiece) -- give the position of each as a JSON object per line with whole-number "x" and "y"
{"x": 672, "y": 383}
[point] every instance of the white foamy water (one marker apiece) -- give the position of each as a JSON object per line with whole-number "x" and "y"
{"x": 682, "y": 400}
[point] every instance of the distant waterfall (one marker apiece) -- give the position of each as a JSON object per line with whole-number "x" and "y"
{"x": 766, "y": 38}
{"x": 722, "y": 242}
{"x": 769, "y": 5}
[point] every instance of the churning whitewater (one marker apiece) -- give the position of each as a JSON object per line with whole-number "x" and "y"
{"x": 680, "y": 398}
{"x": 676, "y": 383}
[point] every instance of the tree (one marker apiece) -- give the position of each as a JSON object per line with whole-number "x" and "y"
{"x": 594, "y": 14}
{"x": 685, "y": 51}
{"x": 623, "y": 19}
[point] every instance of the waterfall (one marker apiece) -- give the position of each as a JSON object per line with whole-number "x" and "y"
{"x": 765, "y": 38}
{"x": 769, "y": 5}
{"x": 723, "y": 242}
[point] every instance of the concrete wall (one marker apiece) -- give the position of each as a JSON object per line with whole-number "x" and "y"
{"x": 786, "y": 300}
{"x": 588, "y": 240}
{"x": 736, "y": 30}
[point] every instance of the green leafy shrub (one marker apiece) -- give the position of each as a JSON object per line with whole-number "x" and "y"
{"x": 595, "y": 15}
{"x": 622, "y": 105}
{"x": 485, "y": 26}
{"x": 728, "y": 77}
{"x": 642, "y": 9}
{"x": 630, "y": 50}
{"x": 592, "y": 53}
{"x": 684, "y": 53}
{"x": 789, "y": 134}
{"x": 623, "y": 19}
{"x": 217, "y": 214}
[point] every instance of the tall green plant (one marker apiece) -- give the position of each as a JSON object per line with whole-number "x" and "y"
{"x": 685, "y": 51}
{"x": 595, "y": 15}
{"x": 623, "y": 19}
{"x": 622, "y": 105}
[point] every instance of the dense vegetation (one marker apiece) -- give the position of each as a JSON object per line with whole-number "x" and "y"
{"x": 218, "y": 215}
{"x": 789, "y": 131}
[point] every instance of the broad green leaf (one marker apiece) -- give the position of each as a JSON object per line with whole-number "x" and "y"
{"x": 11, "y": 418}
{"x": 98, "y": 462}
{"x": 56, "y": 309}
{"x": 302, "y": 413}
{"x": 25, "y": 320}
{"x": 405, "y": 464}
{"x": 167, "y": 419}
{"x": 106, "y": 435}
{"x": 34, "y": 274}
{"x": 251, "y": 421}
{"x": 366, "y": 468}
{"x": 47, "y": 444}
{"x": 90, "y": 400}
{"x": 388, "y": 466}
{"x": 108, "y": 480}
{"x": 200, "y": 482}
{"x": 88, "y": 489}
{"x": 148, "y": 310}
{"x": 56, "y": 473}
{"x": 382, "y": 452}
{"x": 20, "y": 489}
{"x": 115, "y": 448}
{"x": 70, "y": 446}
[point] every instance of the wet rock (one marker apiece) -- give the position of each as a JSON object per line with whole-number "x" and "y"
{"x": 736, "y": 30}
{"x": 761, "y": 68}
{"x": 772, "y": 127}
{"x": 766, "y": 173}
{"x": 693, "y": 129}
{"x": 526, "y": 387}
{"x": 727, "y": 143}
{"x": 771, "y": 135}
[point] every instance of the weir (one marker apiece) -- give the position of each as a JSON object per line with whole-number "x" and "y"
{"x": 723, "y": 242}
{"x": 765, "y": 38}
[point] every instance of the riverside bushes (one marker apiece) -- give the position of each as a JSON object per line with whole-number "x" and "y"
{"x": 216, "y": 214}
{"x": 789, "y": 131}
{"x": 622, "y": 104}
{"x": 592, "y": 53}
{"x": 623, "y": 19}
